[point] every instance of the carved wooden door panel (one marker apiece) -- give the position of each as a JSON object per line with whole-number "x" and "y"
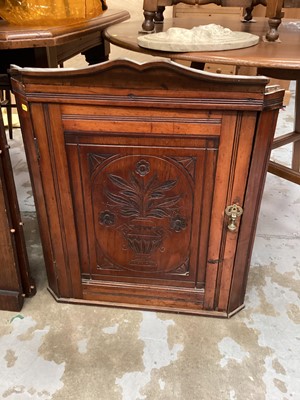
{"x": 142, "y": 207}
{"x": 149, "y": 216}
{"x": 139, "y": 215}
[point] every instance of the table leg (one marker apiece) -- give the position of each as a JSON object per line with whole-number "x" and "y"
{"x": 45, "y": 57}
{"x": 291, "y": 174}
{"x": 296, "y": 152}
{"x": 97, "y": 54}
{"x": 159, "y": 15}
{"x": 275, "y": 14}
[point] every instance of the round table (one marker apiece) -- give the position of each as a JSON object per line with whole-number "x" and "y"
{"x": 280, "y": 59}
{"x": 283, "y": 54}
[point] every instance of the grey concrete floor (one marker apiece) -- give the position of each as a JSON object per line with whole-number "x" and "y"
{"x": 63, "y": 352}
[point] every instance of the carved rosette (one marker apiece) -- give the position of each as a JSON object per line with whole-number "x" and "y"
{"x": 107, "y": 218}
{"x": 143, "y": 206}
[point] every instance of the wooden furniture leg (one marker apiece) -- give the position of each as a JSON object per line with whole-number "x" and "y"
{"x": 275, "y": 14}
{"x": 97, "y": 54}
{"x": 296, "y": 150}
{"x": 9, "y": 113}
{"x": 153, "y": 11}
{"x": 159, "y": 15}
{"x": 6, "y": 101}
{"x": 291, "y": 174}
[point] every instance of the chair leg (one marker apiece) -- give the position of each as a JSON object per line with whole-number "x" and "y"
{"x": 5, "y": 99}
{"x": 9, "y": 113}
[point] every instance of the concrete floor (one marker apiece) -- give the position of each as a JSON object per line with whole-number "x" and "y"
{"x": 63, "y": 352}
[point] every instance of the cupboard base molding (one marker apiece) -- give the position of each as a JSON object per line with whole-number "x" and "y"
{"x": 177, "y": 310}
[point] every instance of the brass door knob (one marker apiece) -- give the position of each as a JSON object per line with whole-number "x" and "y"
{"x": 233, "y": 212}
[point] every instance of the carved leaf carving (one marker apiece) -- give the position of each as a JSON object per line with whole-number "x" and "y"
{"x": 138, "y": 199}
{"x": 143, "y": 206}
{"x": 120, "y": 182}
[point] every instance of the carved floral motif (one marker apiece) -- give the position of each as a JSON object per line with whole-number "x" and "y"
{"x": 178, "y": 223}
{"x": 142, "y": 167}
{"x": 148, "y": 211}
{"x": 107, "y": 218}
{"x": 137, "y": 199}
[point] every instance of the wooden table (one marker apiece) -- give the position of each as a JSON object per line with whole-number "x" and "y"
{"x": 279, "y": 60}
{"x": 50, "y": 46}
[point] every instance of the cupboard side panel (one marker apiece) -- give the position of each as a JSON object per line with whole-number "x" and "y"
{"x": 222, "y": 179}
{"x": 9, "y": 190}
{"x": 65, "y": 211}
{"x": 255, "y": 187}
{"x": 10, "y": 283}
{"x": 240, "y": 168}
{"x": 32, "y": 156}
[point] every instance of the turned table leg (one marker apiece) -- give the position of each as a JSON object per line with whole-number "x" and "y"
{"x": 150, "y": 8}
{"x": 152, "y": 17}
{"x": 273, "y": 33}
{"x": 97, "y": 54}
{"x": 275, "y": 14}
{"x": 159, "y": 15}
{"x": 148, "y": 24}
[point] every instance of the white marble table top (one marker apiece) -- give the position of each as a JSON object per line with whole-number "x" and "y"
{"x": 209, "y": 37}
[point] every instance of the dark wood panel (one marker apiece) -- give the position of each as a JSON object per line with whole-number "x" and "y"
{"x": 15, "y": 279}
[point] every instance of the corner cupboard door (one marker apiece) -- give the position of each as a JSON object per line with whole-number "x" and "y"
{"x": 149, "y": 209}
{"x": 138, "y": 212}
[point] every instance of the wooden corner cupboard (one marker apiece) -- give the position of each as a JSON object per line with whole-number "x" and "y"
{"x": 15, "y": 279}
{"x": 148, "y": 180}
